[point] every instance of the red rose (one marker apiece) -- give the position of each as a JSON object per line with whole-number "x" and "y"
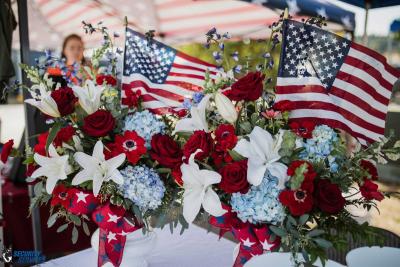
{"x": 40, "y": 147}
{"x": 225, "y": 137}
{"x": 99, "y": 123}
{"x": 108, "y": 79}
{"x": 166, "y": 151}
{"x": 177, "y": 175}
{"x": 328, "y": 197}
{"x": 65, "y": 100}
{"x": 60, "y": 196}
{"x": 303, "y": 128}
{"x": 369, "y": 190}
{"x": 284, "y": 105}
{"x": 81, "y": 202}
{"x": 64, "y": 135}
{"x": 234, "y": 177}
{"x": 132, "y": 98}
{"x": 132, "y": 145}
{"x": 370, "y": 168}
{"x": 6, "y": 150}
{"x": 249, "y": 87}
{"x": 198, "y": 140}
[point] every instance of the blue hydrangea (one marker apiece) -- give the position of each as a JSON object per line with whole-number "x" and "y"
{"x": 260, "y": 203}
{"x": 145, "y": 123}
{"x": 320, "y": 146}
{"x": 143, "y": 186}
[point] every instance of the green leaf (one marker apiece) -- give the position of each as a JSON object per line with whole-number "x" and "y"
{"x": 303, "y": 219}
{"x": 85, "y": 228}
{"x": 298, "y": 177}
{"x": 62, "y": 228}
{"x": 38, "y": 188}
{"x": 75, "y": 219}
{"x": 278, "y": 231}
{"x": 315, "y": 232}
{"x": 235, "y": 155}
{"x": 322, "y": 243}
{"x": 75, "y": 235}
{"x": 163, "y": 170}
{"x": 52, "y": 134}
{"x": 52, "y": 219}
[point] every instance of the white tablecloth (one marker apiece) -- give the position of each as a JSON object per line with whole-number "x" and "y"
{"x": 195, "y": 248}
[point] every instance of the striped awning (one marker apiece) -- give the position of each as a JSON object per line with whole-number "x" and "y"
{"x": 176, "y": 21}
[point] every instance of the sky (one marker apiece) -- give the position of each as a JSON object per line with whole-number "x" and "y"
{"x": 379, "y": 19}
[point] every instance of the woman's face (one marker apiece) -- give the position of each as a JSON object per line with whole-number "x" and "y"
{"x": 73, "y": 51}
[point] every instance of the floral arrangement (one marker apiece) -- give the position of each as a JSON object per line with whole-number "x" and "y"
{"x": 276, "y": 184}
{"x": 97, "y": 161}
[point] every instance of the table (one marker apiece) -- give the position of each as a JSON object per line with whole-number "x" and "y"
{"x": 373, "y": 256}
{"x": 195, "y": 248}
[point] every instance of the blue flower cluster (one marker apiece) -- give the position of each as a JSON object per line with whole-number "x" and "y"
{"x": 320, "y": 146}
{"x": 145, "y": 124}
{"x": 260, "y": 203}
{"x": 143, "y": 186}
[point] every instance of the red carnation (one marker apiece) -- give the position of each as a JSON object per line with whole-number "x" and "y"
{"x": 234, "y": 177}
{"x": 99, "y": 123}
{"x": 108, "y": 79}
{"x": 30, "y": 168}
{"x": 299, "y": 201}
{"x": 40, "y": 147}
{"x": 225, "y": 137}
{"x": 248, "y": 88}
{"x": 284, "y": 105}
{"x": 64, "y": 135}
{"x": 328, "y": 197}
{"x": 370, "y": 168}
{"x": 6, "y": 150}
{"x": 60, "y": 196}
{"x": 166, "y": 151}
{"x": 220, "y": 157}
{"x": 303, "y": 128}
{"x": 132, "y": 98}
{"x": 369, "y": 190}
{"x": 132, "y": 145}
{"x": 65, "y": 100}
{"x": 199, "y": 140}
{"x": 177, "y": 175}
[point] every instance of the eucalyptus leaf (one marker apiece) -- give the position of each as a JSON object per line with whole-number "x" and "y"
{"x": 323, "y": 243}
{"x": 75, "y": 219}
{"x": 278, "y": 231}
{"x": 75, "y": 235}
{"x": 62, "y": 228}
{"x": 315, "y": 232}
{"x": 52, "y": 219}
{"x": 303, "y": 219}
{"x": 85, "y": 228}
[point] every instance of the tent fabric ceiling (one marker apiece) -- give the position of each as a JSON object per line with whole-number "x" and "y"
{"x": 373, "y": 3}
{"x": 176, "y": 21}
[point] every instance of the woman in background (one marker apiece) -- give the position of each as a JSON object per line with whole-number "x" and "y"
{"x": 72, "y": 52}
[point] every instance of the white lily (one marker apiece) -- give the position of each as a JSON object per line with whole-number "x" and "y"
{"x": 262, "y": 153}
{"x": 198, "y": 191}
{"x": 43, "y": 101}
{"x": 89, "y": 96}
{"x": 225, "y": 107}
{"x": 197, "y": 120}
{"x": 97, "y": 168}
{"x": 55, "y": 168}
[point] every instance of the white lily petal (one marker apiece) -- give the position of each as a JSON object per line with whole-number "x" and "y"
{"x": 212, "y": 204}
{"x": 198, "y": 118}
{"x": 210, "y": 177}
{"x": 117, "y": 177}
{"x": 225, "y": 107}
{"x": 39, "y": 172}
{"x": 279, "y": 170}
{"x": 191, "y": 203}
{"x": 86, "y": 161}
{"x": 50, "y": 184}
{"x": 97, "y": 182}
{"x": 261, "y": 142}
{"x": 115, "y": 162}
{"x": 255, "y": 171}
{"x": 82, "y": 177}
{"x": 243, "y": 148}
{"x": 53, "y": 152}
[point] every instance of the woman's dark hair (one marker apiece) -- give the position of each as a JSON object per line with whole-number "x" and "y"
{"x": 66, "y": 40}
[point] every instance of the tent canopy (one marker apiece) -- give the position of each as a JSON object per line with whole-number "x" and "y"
{"x": 176, "y": 21}
{"x": 326, "y": 9}
{"x": 372, "y": 3}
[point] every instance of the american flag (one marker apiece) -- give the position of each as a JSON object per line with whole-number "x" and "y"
{"x": 164, "y": 75}
{"x": 334, "y": 81}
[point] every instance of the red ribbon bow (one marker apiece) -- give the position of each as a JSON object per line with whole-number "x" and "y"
{"x": 254, "y": 240}
{"x": 114, "y": 225}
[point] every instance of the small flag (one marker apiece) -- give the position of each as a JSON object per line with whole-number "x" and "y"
{"x": 334, "y": 81}
{"x": 164, "y": 75}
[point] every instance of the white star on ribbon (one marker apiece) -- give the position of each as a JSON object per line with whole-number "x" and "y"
{"x": 113, "y": 218}
{"x": 266, "y": 245}
{"x": 247, "y": 242}
{"x": 111, "y": 236}
{"x": 81, "y": 197}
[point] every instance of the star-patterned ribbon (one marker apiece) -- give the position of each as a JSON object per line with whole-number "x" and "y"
{"x": 254, "y": 239}
{"x": 114, "y": 224}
